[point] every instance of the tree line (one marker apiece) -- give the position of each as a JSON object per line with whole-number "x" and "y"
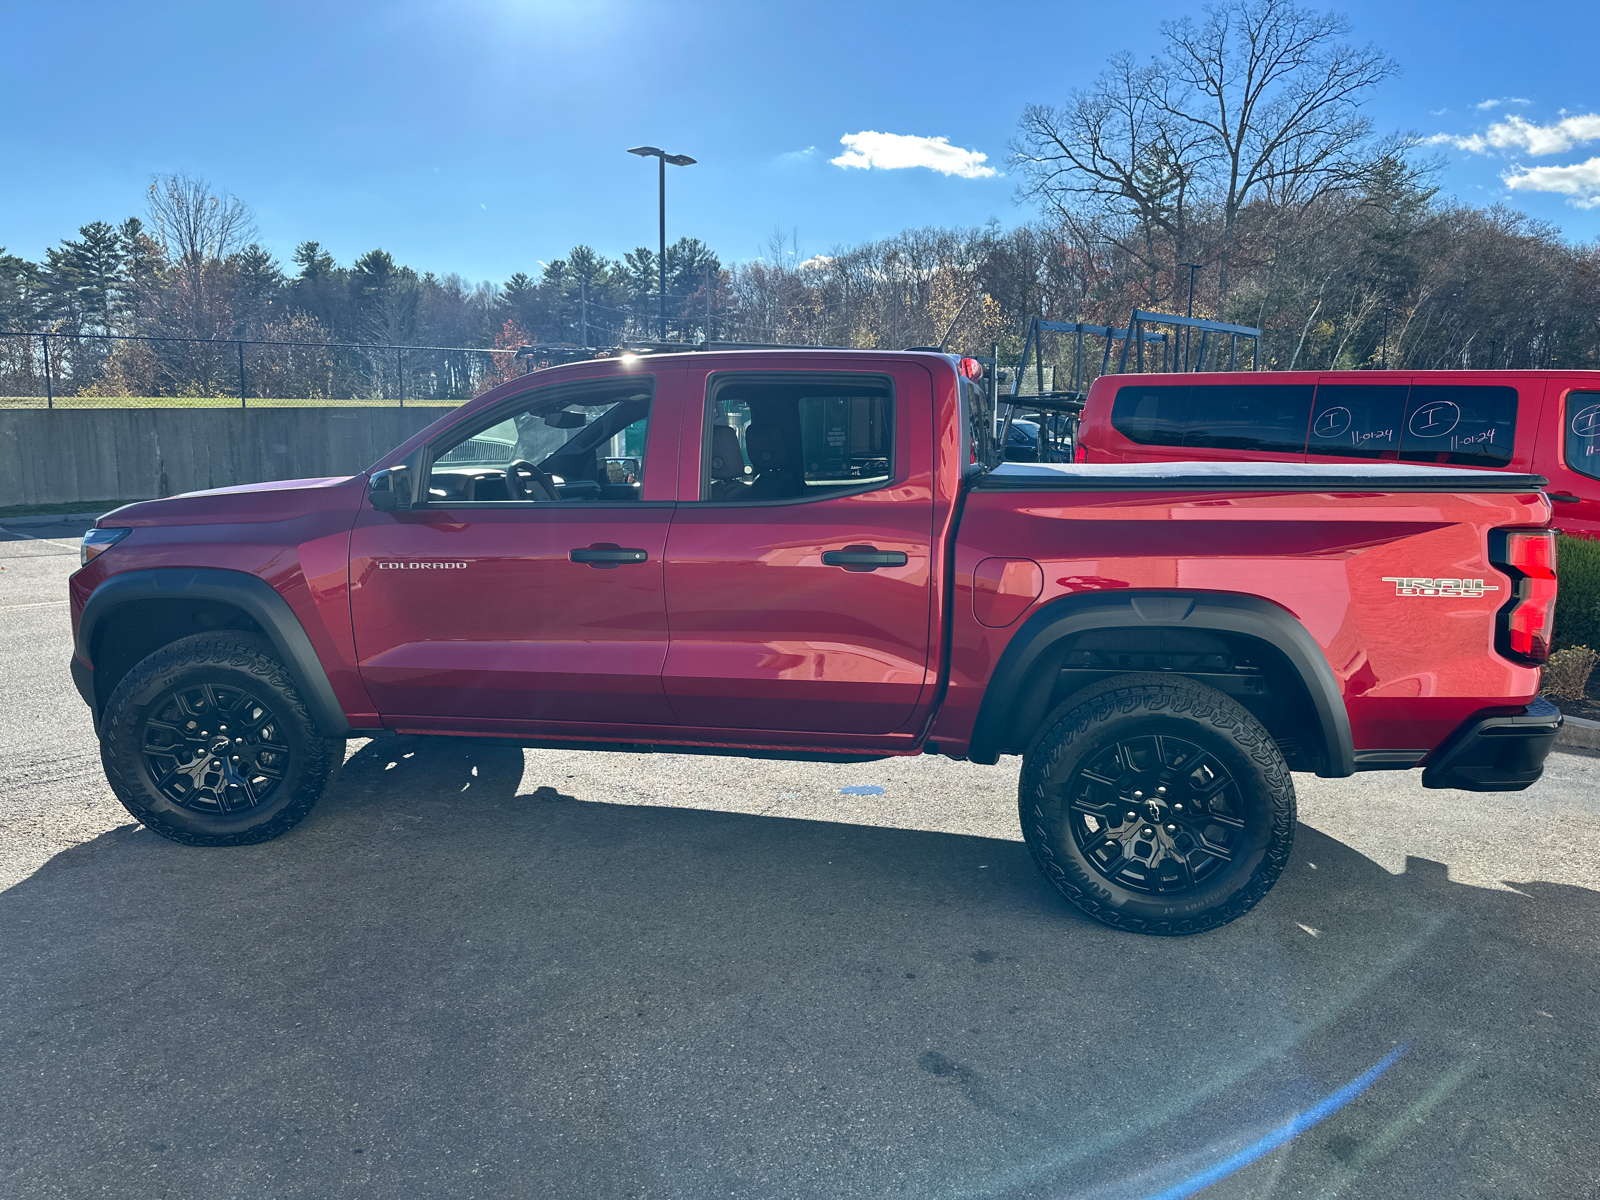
{"x": 1238, "y": 161}
{"x": 191, "y": 270}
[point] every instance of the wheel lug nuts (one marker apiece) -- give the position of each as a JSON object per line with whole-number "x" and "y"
{"x": 1138, "y": 795}
{"x": 1178, "y": 807}
{"x": 1162, "y": 790}
{"x": 1148, "y": 832}
{"x": 1172, "y": 829}
{"x": 1132, "y": 816}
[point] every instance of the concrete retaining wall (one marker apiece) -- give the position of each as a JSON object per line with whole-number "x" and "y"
{"x": 71, "y": 455}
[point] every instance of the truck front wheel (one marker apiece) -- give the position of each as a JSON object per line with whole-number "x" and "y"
{"x": 1157, "y": 805}
{"x": 207, "y": 742}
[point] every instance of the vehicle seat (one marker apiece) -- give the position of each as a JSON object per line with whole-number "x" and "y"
{"x": 774, "y": 463}
{"x": 727, "y": 465}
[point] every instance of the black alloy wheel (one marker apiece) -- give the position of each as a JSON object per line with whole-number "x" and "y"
{"x": 212, "y": 748}
{"x": 1156, "y": 814}
{"x": 208, "y": 742}
{"x": 1157, "y": 804}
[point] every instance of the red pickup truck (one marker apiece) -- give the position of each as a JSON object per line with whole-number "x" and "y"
{"x": 821, "y": 555}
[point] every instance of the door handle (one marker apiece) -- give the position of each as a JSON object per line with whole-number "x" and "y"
{"x": 1564, "y": 497}
{"x": 863, "y": 558}
{"x": 607, "y": 556}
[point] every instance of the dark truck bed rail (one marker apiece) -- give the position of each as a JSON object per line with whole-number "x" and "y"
{"x": 1250, "y": 477}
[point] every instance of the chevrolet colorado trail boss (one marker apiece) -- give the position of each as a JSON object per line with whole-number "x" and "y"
{"x": 821, "y": 554}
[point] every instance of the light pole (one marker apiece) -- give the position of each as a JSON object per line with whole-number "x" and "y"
{"x": 1193, "y": 267}
{"x": 677, "y": 160}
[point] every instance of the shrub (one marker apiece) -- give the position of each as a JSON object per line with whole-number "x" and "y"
{"x": 1566, "y": 675}
{"x": 1577, "y": 591}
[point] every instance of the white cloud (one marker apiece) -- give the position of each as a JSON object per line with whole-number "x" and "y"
{"x": 789, "y": 156}
{"x": 897, "y": 151}
{"x": 1482, "y": 105}
{"x": 1580, "y": 183}
{"x": 1518, "y": 133}
{"x": 817, "y": 262}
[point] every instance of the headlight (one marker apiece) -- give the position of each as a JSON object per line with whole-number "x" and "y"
{"x": 97, "y": 541}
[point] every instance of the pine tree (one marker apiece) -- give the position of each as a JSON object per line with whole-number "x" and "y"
{"x": 258, "y": 294}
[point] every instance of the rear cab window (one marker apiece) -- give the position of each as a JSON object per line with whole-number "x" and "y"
{"x": 796, "y": 437}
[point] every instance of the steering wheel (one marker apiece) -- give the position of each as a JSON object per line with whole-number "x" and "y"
{"x": 524, "y": 481}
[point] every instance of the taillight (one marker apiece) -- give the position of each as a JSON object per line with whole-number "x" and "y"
{"x": 1524, "y": 625}
{"x": 971, "y": 368}
{"x": 1080, "y": 453}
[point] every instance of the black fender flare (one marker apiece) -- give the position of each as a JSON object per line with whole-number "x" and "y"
{"x": 253, "y": 596}
{"x": 1218, "y": 612}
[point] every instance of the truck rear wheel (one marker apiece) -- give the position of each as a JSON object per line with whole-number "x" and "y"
{"x": 1157, "y": 805}
{"x": 208, "y": 742}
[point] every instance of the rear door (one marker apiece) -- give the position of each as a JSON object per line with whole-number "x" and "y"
{"x": 798, "y": 572}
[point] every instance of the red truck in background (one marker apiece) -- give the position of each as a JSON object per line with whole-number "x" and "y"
{"x": 1544, "y": 422}
{"x": 809, "y": 554}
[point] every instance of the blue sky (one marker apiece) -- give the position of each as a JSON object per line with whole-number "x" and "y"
{"x": 486, "y": 136}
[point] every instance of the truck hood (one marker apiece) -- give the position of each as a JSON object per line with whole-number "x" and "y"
{"x": 275, "y": 485}
{"x": 270, "y": 501}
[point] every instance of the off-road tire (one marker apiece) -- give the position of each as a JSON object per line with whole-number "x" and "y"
{"x": 1139, "y": 718}
{"x": 224, "y": 666}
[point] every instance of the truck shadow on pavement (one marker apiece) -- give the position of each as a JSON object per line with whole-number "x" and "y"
{"x": 450, "y": 981}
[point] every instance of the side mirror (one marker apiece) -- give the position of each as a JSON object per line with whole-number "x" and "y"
{"x": 390, "y": 489}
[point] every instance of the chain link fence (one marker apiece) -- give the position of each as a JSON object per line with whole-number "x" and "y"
{"x": 79, "y": 370}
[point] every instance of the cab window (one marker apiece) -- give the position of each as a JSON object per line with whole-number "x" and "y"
{"x": 1263, "y": 418}
{"x": 1463, "y": 424}
{"x": 1151, "y": 416}
{"x": 1358, "y": 420}
{"x": 1582, "y": 426}
{"x": 1266, "y": 418}
{"x": 796, "y": 438}
{"x": 565, "y": 445}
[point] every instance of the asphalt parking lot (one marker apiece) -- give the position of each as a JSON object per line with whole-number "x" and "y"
{"x": 479, "y": 971}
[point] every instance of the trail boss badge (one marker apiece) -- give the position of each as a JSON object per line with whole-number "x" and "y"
{"x": 1405, "y": 585}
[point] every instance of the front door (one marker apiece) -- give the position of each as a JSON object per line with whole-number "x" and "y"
{"x": 798, "y": 581}
{"x": 526, "y": 584}
{"x": 1568, "y": 455}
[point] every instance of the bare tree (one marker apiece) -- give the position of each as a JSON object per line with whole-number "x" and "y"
{"x": 196, "y": 225}
{"x": 1114, "y": 157}
{"x": 1276, "y": 95}
{"x": 198, "y": 230}
{"x": 1260, "y": 99}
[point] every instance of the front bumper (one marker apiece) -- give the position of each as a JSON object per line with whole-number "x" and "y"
{"x": 1496, "y": 754}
